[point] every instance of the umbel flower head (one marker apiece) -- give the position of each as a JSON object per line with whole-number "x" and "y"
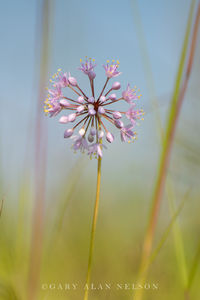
{"x": 90, "y": 113}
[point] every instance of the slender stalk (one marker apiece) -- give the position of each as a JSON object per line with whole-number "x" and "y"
{"x": 91, "y": 250}
{"x": 78, "y": 87}
{"x": 176, "y": 104}
{"x": 112, "y": 101}
{"x": 92, "y": 86}
{"x": 40, "y": 156}
{"x": 74, "y": 90}
{"x": 103, "y": 89}
{"x": 108, "y": 92}
{"x": 1, "y": 207}
{"x": 193, "y": 271}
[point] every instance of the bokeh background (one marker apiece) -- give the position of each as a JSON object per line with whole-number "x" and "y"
{"x": 43, "y": 183}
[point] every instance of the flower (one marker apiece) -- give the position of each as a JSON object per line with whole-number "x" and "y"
{"x": 129, "y": 94}
{"x": 80, "y": 143}
{"x": 88, "y": 113}
{"x": 134, "y": 115}
{"x": 127, "y": 134}
{"x": 63, "y": 80}
{"x": 56, "y": 93}
{"x": 96, "y": 149}
{"x": 111, "y": 70}
{"x": 88, "y": 68}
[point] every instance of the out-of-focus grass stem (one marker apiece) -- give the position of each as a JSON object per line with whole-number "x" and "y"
{"x": 192, "y": 272}
{"x": 179, "y": 247}
{"x": 95, "y": 214}
{"x": 40, "y": 154}
{"x": 1, "y": 206}
{"x": 176, "y": 104}
{"x": 165, "y": 233}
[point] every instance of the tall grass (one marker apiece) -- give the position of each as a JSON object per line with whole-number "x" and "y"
{"x": 176, "y": 103}
{"x": 40, "y": 155}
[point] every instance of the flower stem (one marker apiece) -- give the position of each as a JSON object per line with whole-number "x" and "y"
{"x": 103, "y": 89}
{"x": 93, "y": 229}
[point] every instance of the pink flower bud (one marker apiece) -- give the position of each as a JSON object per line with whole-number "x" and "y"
{"x": 119, "y": 124}
{"x": 80, "y": 99}
{"x": 91, "y": 75}
{"x": 64, "y": 102}
{"x": 93, "y": 131}
{"x": 101, "y": 110}
{"x": 72, "y": 81}
{"x": 117, "y": 115}
{"x": 91, "y": 100}
{"x": 82, "y": 131}
{"x": 109, "y": 137}
{"x": 63, "y": 119}
{"x": 68, "y": 133}
{"x": 90, "y": 138}
{"x": 100, "y": 134}
{"x": 91, "y": 110}
{"x": 80, "y": 108}
{"x": 116, "y": 85}
{"x": 72, "y": 117}
{"x": 113, "y": 97}
{"x": 102, "y": 98}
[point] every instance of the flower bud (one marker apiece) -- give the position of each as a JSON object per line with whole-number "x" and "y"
{"x": 100, "y": 134}
{"x": 91, "y": 75}
{"x": 101, "y": 110}
{"x": 72, "y": 81}
{"x": 91, "y": 99}
{"x": 82, "y": 131}
{"x": 80, "y": 108}
{"x": 72, "y": 117}
{"x": 90, "y": 138}
{"x": 113, "y": 97}
{"x": 116, "y": 85}
{"x": 102, "y": 98}
{"x": 109, "y": 137}
{"x": 119, "y": 124}
{"x": 63, "y": 119}
{"x": 64, "y": 102}
{"x": 91, "y": 110}
{"x": 93, "y": 131}
{"x": 117, "y": 115}
{"x": 68, "y": 133}
{"x": 80, "y": 99}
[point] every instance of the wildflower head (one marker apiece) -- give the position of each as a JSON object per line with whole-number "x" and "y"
{"x": 87, "y": 115}
{"x": 130, "y": 94}
{"x": 112, "y": 69}
{"x": 87, "y": 67}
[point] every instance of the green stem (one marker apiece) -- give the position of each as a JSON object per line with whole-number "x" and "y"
{"x": 93, "y": 229}
{"x": 174, "y": 112}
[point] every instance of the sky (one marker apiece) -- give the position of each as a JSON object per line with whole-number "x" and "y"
{"x": 100, "y": 29}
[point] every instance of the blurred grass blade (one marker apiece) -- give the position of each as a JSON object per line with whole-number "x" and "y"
{"x": 169, "y": 227}
{"x": 178, "y": 242}
{"x": 194, "y": 268}
{"x": 146, "y": 63}
{"x": 166, "y": 232}
{"x": 7, "y": 292}
{"x": 42, "y": 42}
{"x": 1, "y": 206}
{"x": 152, "y": 92}
{"x": 164, "y": 159}
{"x": 74, "y": 177}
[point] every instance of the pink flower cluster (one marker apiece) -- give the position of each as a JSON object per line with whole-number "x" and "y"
{"x": 89, "y": 113}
